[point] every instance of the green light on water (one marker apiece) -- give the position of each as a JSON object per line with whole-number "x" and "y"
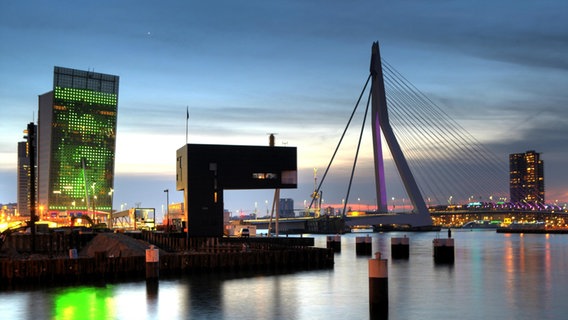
{"x": 84, "y": 303}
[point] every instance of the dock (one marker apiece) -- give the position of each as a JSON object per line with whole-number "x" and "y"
{"x": 95, "y": 263}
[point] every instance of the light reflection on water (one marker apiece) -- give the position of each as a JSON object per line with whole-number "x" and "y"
{"x": 494, "y": 276}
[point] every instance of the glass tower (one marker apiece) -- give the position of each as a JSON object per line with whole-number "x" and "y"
{"x": 77, "y": 139}
{"x": 526, "y": 178}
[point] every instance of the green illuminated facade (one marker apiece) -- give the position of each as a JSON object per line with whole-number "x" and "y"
{"x": 77, "y": 138}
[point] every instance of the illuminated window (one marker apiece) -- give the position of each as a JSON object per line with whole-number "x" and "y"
{"x": 263, "y": 175}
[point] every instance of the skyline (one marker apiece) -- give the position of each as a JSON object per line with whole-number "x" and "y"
{"x": 293, "y": 68}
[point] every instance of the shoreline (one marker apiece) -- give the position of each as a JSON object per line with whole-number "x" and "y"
{"x": 98, "y": 262}
{"x": 535, "y": 231}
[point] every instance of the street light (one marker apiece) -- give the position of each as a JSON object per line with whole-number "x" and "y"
{"x": 94, "y": 197}
{"x": 95, "y": 209}
{"x": 109, "y": 219}
{"x": 57, "y": 204}
{"x": 111, "y": 194}
{"x": 167, "y": 191}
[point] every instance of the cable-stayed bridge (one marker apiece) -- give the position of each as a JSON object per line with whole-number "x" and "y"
{"x": 440, "y": 164}
{"x": 437, "y": 160}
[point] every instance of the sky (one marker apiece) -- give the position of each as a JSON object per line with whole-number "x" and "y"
{"x": 248, "y": 68}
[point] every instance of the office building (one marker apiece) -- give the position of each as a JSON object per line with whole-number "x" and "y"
{"x": 24, "y": 183}
{"x": 526, "y": 181}
{"x": 286, "y": 208}
{"x": 203, "y": 172}
{"x": 77, "y": 139}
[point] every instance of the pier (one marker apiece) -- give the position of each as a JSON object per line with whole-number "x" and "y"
{"x": 103, "y": 262}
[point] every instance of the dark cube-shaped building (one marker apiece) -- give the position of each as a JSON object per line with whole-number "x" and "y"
{"x": 203, "y": 171}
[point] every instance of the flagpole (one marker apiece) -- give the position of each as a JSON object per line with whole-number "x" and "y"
{"x": 186, "y": 123}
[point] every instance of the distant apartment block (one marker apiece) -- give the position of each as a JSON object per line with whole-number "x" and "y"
{"x": 77, "y": 139}
{"x": 526, "y": 178}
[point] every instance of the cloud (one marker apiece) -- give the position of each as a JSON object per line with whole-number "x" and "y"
{"x": 295, "y": 68}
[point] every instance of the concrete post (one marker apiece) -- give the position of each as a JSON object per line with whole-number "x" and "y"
{"x": 363, "y": 245}
{"x": 334, "y": 242}
{"x": 444, "y": 250}
{"x": 400, "y": 248}
{"x": 378, "y": 287}
{"x": 152, "y": 263}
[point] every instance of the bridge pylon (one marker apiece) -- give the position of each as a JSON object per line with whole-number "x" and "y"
{"x": 381, "y": 124}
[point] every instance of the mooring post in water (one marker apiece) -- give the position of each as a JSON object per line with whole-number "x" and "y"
{"x": 363, "y": 245}
{"x": 378, "y": 287}
{"x": 400, "y": 248}
{"x": 443, "y": 250}
{"x": 334, "y": 242}
{"x": 152, "y": 263}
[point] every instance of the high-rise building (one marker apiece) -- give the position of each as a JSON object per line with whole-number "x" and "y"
{"x": 24, "y": 183}
{"x": 77, "y": 139}
{"x": 286, "y": 208}
{"x": 526, "y": 178}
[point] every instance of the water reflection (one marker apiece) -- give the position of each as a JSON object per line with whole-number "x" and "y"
{"x": 83, "y": 303}
{"x": 152, "y": 290}
{"x": 205, "y": 296}
{"x": 494, "y": 276}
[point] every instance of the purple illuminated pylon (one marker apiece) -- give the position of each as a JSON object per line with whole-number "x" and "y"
{"x": 380, "y": 123}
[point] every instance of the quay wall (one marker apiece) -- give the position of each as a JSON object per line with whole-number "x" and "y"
{"x": 63, "y": 270}
{"x": 54, "y": 263}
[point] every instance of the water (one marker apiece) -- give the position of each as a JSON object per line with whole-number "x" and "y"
{"x": 495, "y": 276}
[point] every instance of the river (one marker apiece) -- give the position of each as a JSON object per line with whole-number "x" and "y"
{"x": 495, "y": 276}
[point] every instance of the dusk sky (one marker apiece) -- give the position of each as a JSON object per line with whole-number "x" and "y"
{"x": 296, "y": 68}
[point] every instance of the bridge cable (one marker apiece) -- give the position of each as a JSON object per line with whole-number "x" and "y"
{"x": 434, "y": 138}
{"x": 340, "y": 140}
{"x": 432, "y": 116}
{"x": 416, "y": 134}
{"x": 357, "y": 152}
{"x": 413, "y": 147}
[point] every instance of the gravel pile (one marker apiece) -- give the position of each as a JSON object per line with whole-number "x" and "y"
{"x": 115, "y": 245}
